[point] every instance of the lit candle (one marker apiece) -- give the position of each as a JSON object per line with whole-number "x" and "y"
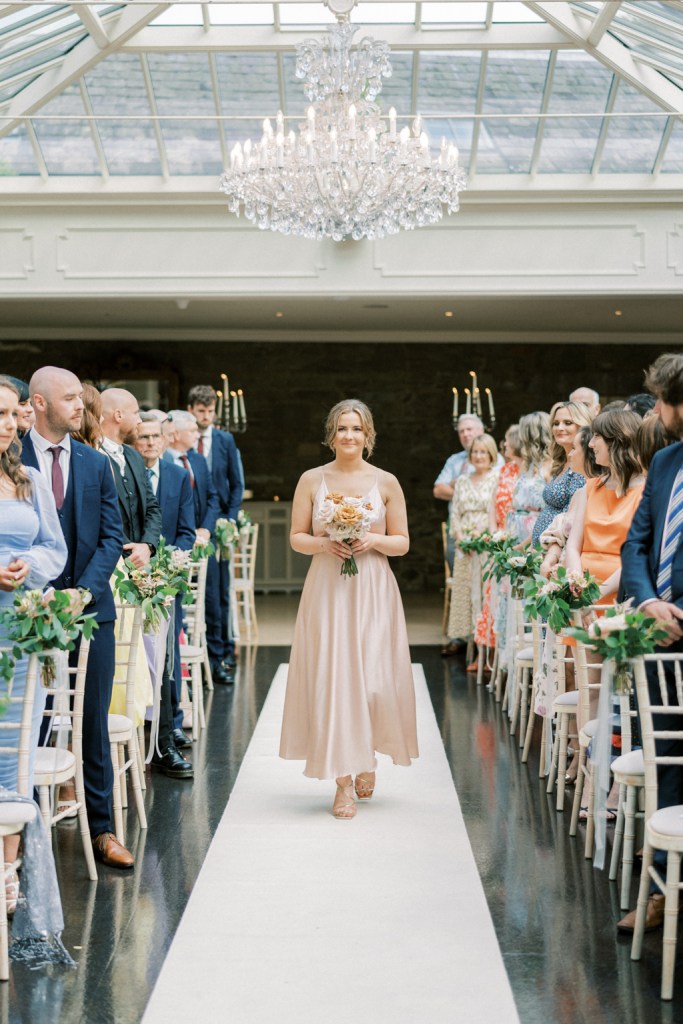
{"x": 477, "y": 402}
{"x": 455, "y": 403}
{"x": 468, "y": 402}
{"x": 219, "y": 406}
{"x": 247, "y": 150}
{"x": 309, "y": 148}
{"x": 453, "y": 156}
{"x": 267, "y": 128}
{"x": 226, "y": 405}
{"x": 392, "y": 124}
{"x": 280, "y": 149}
{"x": 243, "y": 411}
{"x": 352, "y": 122}
{"x": 404, "y": 137}
{"x": 417, "y": 127}
{"x": 492, "y": 411}
{"x": 235, "y": 411}
{"x": 424, "y": 146}
{"x": 280, "y": 123}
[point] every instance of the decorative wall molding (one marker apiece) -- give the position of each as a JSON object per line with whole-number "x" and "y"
{"x": 16, "y": 254}
{"x": 674, "y": 244}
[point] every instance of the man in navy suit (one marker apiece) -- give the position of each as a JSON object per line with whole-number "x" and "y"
{"x": 171, "y": 486}
{"x": 87, "y": 504}
{"x": 223, "y": 459}
{"x": 652, "y": 574}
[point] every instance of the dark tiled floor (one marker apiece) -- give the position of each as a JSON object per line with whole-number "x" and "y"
{"x": 553, "y": 913}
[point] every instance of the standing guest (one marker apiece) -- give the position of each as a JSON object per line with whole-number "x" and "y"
{"x": 652, "y": 437}
{"x": 587, "y": 397}
{"x": 350, "y": 685}
{"x": 566, "y": 418}
{"x": 32, "y": 552}
{"x": 90, "y": 432}
{"x": 501, "y": 502}
{"x": 87, "y": 506}
{"x": 172, "y": 489}
{"x": 225, "y": 465}
{"x": 140, "y": 512}
{"x": 527, "y": 499}
{"x": 25, "y": 414}
{"x": 652, "y": 568}
{"x": 469, "y": 516}
{"x": 642, "y": 403}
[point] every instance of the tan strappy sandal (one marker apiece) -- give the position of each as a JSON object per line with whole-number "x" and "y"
{"x": 364, "y": 785}
{"x": 344, "y": 806}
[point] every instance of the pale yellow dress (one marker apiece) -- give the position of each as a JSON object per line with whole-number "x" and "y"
{"x": 350, "y": 683}
{"x": 469, "y": 515}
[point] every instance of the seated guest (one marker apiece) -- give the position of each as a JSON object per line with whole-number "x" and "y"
{"x": 469, "y": 516}
{"x": 527, "y": 498}
{"x": 581, "y": 461}
{"x": 652, "y": 563}
{"x": 641, "y": 404}
{"x": 566, "y": 418}
{"x": 587, "y": 397}
{"x": 32, "y": 552}
{"x": 25, "y": 415}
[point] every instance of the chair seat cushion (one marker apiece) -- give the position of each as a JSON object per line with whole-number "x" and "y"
{"x": 590, "y": 728}
{"x": 53, "y": 759}
{"x": 632, "y": 763}
{"x": 668, "y": 821}
{"x": 119, "y": 725}
{"x": 526, "y": 654}
{"x": 570, "y": 699}
{"x": 16, "y": 813}
{"x": 188, "y": 651}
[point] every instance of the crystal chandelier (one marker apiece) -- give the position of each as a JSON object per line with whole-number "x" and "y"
{"x": 348, "y": 173}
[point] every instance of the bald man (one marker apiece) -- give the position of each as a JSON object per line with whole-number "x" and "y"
{"x": 85, "y": 495}
{"x": 140, "y": 512}
{"x": 587, "y": 397}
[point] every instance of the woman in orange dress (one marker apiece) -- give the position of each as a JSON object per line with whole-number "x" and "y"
{"x": 501, "y": 503}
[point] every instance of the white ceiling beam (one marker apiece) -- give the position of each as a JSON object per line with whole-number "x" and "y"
{"x": 610, "y": 52}
{"x": 76, "y": 63}
{"x": 93, "y": 24}
{"x": 603, "y": 21}
{"x": 532, "y": 36}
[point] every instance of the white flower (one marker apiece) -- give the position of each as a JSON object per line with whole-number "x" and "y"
{"x": 607, "y": 624}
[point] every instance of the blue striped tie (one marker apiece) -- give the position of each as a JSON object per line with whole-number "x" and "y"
{"x": 670, "y": 539}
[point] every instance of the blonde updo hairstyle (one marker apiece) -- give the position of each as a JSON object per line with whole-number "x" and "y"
{"x": 361, "y": 409}
{"x": 486, "y": 442}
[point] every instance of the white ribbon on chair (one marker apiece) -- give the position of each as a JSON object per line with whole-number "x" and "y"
{"x": 59, "y": 723}
{"x": 155, "y": 650}
{"x": 601, "y": 749}
{"x": 546, "y": 690}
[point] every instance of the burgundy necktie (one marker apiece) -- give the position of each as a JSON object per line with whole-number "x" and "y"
{"x": 57, "y": 477}
{"x": 186, "y": 464}
{"x": 200, "y": 446}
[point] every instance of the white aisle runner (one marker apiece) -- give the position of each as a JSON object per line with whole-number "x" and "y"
{"x": 297, "y": 918}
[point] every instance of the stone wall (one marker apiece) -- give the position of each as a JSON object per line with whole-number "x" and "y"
{"x": 290, "y": 387}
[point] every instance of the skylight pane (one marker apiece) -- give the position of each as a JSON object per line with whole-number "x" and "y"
{"x": 241, "y": 14}
{"x": 248, "y": 83}
{"x": 181, "y": 83}
{"x": 448, "y": 82}
{"x": 16, "y": 155}
{"x": 397, "y": 91}
{"x": 580, "y": 86}
{"x": 192, "y": 147}
{"x": 116, "y": 87}
{"x": 180, "y": 14}
{"x": 513, "y": 12}
{"x": 454, "y": 14}
{"x": 673, "y": 158}
{"x": 506, "y": 146}
{"x": 306, "y": 14}
{"x": 632, "y": 142}
{"x": 515, "y": 81}
{"x": 67, "y": 146}
{"x": 384, "y": 14}
{"x": 456, "y": 131}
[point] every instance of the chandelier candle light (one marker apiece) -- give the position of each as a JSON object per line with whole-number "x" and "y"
{"x": 473, "y": 403}
{"x": 231, "y": 411}
{"x": 350, "y": 172}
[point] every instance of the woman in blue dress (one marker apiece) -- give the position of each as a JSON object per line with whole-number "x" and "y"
{"x": 32, "y": 552}
{"x": 566, "y": 419}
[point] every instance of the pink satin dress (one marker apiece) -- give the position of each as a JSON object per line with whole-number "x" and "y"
{"x": 350, "y": 683}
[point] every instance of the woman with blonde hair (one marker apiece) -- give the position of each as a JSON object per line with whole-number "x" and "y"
{"x": 350, "y": 682}
{"x": 566, "y": 419}
{"x": 527, "y": 500}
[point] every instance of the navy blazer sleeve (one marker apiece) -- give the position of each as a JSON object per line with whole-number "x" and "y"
{"x": 96, "y": 574}
{"x": 637, "y": 562}
{"x": 185, "y": 535}
{"x": 213, "y": 504}
{"x": 235, "y": 478}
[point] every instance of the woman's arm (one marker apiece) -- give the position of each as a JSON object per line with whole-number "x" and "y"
{"x": 300, "y": 537}
{"x": 574, "y": 545}
{"x": 396, "y": 540}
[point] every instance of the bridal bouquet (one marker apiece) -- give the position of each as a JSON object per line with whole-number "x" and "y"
{"x": 622, "y": 634}
{"x": 556, "y": 598}
{"x": 38, "y": 622}
{"x": 346, "y": 519}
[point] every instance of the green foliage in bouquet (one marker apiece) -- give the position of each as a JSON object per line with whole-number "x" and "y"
{"x": 517, "y": 566}
{"x": 156, "y": 585}
{"x": 556, "y": 598}
{"x": 622, "y": 634}
{"x": 227, "y": 535}
{"x": 200, "y": 551}
{"x": 476, "y": 543}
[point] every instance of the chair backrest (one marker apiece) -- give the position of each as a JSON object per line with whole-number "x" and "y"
{"x": 194, "y": 609}
{"x": 67, "y": 700}
{"x": 444, "y": 544}
{"x": 662, "y": 720}
{"x": 128, "y": 638}
{"x": 244, "y": 556}
{"x": 588, "y": 680}
{"x": 21, "y": 728}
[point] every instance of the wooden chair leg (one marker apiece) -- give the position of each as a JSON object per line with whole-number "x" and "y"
{"x": 84, "y": 829}
{"x": 629, "y": 844}
{"x": 116, "y": 794}
{"x": 530, "y": 725}
{"x": 123, "y": 781}
{"x": 141, "y": 757}
{"x": 45, "y": 808}
{"x": 562, "y": 762}
{"x": 516, "y": 698}
{"x": 673, "y": 874}
{"x": 590, "y": 820}
{"x": 578, "y": 791}
{"x": 618, "y": 835}
{"x": 4, "y": 938}
{"x": 524, "y": 705}
{"x": 552, "y": 774}
{"x": 641, "y": 906}
{"x": 135, "y": 779}
{"x": 206, "y": 665}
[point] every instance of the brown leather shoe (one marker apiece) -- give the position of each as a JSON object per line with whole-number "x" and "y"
{"x": 654, "y": 915}
{"x": 109, "y": 850}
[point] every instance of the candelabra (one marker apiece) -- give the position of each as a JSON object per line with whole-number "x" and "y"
{"x": 231, "y": 411}
{"x": 473, "y": 403}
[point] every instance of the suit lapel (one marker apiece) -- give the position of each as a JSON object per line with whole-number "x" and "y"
{"x": 76, "y": 481}
{"x": 28, "y": 452}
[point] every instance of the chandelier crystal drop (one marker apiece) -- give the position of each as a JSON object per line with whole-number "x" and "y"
{"x": 348, "y": 172}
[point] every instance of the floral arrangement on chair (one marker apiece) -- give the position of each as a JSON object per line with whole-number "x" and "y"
{"x": 38, "y": 622}
{"x": 227, "y": 535}
{"x": 507, "y": 562}
{"x": 155, "y": 586}
{"x": 556, "y": 598}
{"x": 476, "y": 543}
{"x": 619, "y": 635}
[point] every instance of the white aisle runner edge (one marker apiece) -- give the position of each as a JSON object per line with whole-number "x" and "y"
{"x": 297, "y": 918}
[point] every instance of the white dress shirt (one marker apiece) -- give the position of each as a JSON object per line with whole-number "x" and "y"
{"x": 178, "y": 460}
{"x": 116, "y": 452}
{"x": 153, "y": 475}
{"x": 44, "y": 456}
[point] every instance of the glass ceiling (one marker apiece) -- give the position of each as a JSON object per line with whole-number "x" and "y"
{"x": 535, "y": 92}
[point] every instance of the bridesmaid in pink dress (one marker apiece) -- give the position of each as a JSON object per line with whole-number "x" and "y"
{"x": 350, "y": 684}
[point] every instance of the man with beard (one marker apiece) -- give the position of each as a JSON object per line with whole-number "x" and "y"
{"x": 87, "y": 506}
{"x": 652, "y": 574}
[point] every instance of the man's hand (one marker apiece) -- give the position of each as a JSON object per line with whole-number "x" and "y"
{"x": 138, "y": 554}
{"x": 669, "y": 617}
{"x": 202, "y": 536}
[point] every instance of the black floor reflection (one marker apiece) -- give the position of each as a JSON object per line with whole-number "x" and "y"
{"x": 119, "y": 929}
{"x": 554, "y": 914}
